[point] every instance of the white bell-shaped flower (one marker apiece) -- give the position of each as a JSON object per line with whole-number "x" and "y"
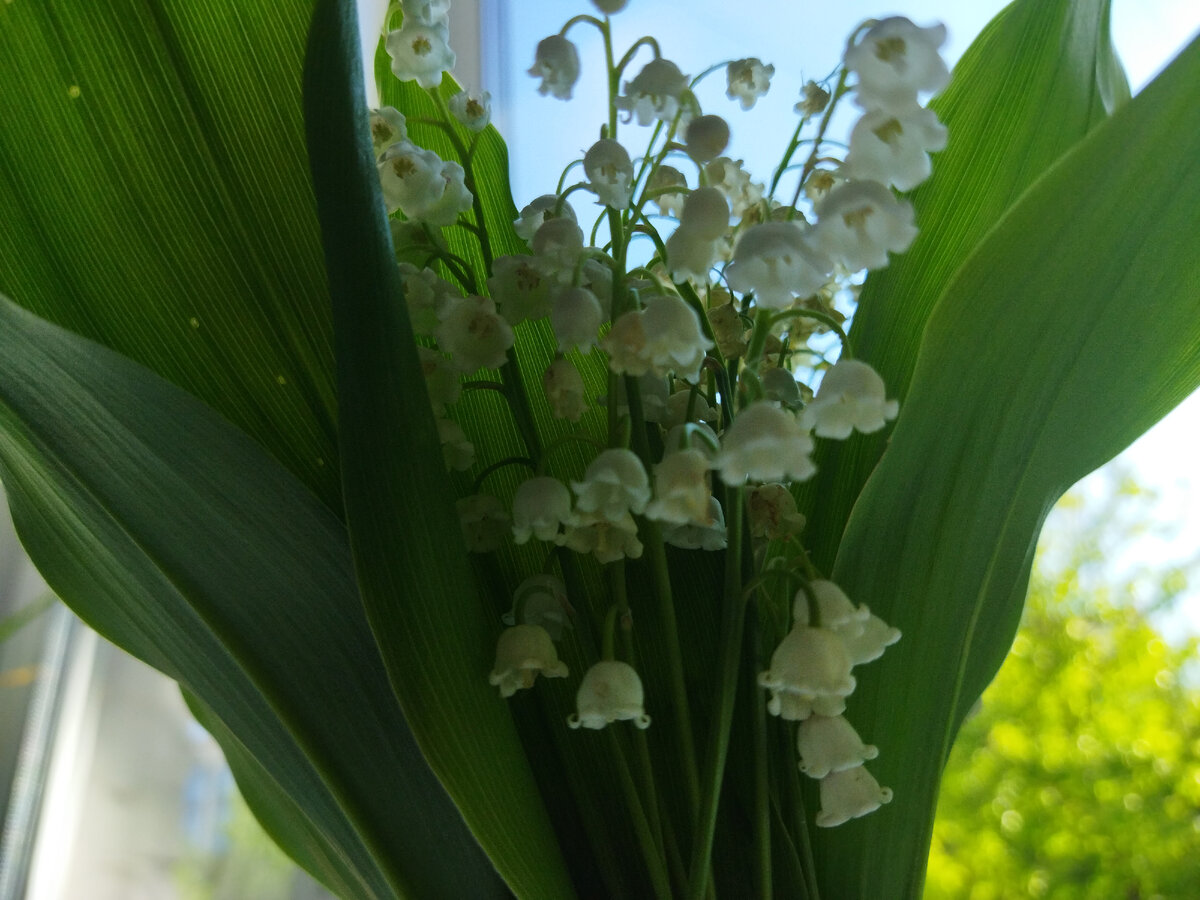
{"x": 563, "y": 386}
{"x": 606, "y": 539}
{"x": 535, "y": 214}
{"x": 597, "y": 277}
{"x": 654, "y": 93}
{"x": 611, "y": 691}
{"x": 860, "y": 221}
{"x": 474, "y": 334}
{"x": 851, "y": 396}
{"x": 441, "y": 379}
{"x": 614, "y": 485}
{"x": 894, "y": 148}
{"x": 426, "y": 295}
{"x": 522, "y": 653}
{"x": 677, "y": 412}
{"x": 420, "y": 53}
{"x": 707, "y": 535}
{"x": 731, "y": 179}
{"x": 610, "y": 173}
{"x": 747, "y": 80}
{"x": 866, "y": 641}
{"x": 519, "y": 289}
{"x": 675, "y": 339}
{"x": 813, "y": 99}
{"x": 837, "y": 611}
{"x": 706, "y": 212}
{"x": 811, "y": 662}
{"x": 670, "y": 203}
{"x": 542, "y": 600}
{"x": 484, "y": 522}
{"x": 765, "y": 443}
{"x": 427, "y": 12}
{"x": 778, "y": 262}
{"x": 781, "y": 386}
{"x": 771, "y": 512}
{"x": 557, "y": 246}
{"x": 472, "y": 111}
{"x": 895, "y": 61}
{"x": 798, "y": 707}
{"x": 691, "y": 255}
{"x": 680, "y": 488}
{"x": 540, "y": 506}
{"x": 575, "y": 316}
{"x": 458, "y": 453}
{"x": 388, "y": 126}
{"x": 830, "y": 744}
{"x": 706, "y": 138}
{"x": 556, "y": 62}
{"x": 849, "y": 794}
{"x": 455, "y": 199}
{"x": 411, "y": 178}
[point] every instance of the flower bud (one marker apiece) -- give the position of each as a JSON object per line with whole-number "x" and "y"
{"x": 610, "y": 173}
{"x": 706, "y": 138}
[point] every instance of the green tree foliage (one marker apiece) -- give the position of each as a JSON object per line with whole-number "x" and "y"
{"x": 1079, "y": 776}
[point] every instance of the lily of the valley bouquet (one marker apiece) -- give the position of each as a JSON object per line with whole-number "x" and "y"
{"x": 650, "y": 537}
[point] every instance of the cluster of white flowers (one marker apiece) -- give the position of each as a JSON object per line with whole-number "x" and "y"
{"x": 701, "y": 343}
{"x": 810, "y": 678}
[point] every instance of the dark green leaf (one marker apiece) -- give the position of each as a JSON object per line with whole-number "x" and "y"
{"x": 1038, "y": 78}
{"x": 436, "y": 633}
{"x": 1071, "y": 329}
{"x": 178, "y": 538}
{"x": 156, "y": 198}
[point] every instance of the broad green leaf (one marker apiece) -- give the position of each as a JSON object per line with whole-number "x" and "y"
{"x": 1037, "y": 79}
{"x": 156, "y": 199}
{"x": 435, "y": 631}
{"x": 178, "y": 538}
{"x": 1072, "y": 328}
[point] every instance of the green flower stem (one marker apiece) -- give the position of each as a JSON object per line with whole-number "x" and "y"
{"x": 656, "y": 556}
{"x": 839, "y": 91}
{"x": 799, "y": 824}
{"x": 659, "y": 879}
{"x": 518, "y": 402}
{"x": 614, "y": 80}
{"x": 762, "y": 791}
{"x": 728, "y": 663}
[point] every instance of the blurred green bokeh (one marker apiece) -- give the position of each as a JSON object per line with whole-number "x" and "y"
{"x": 1079, "y": 776}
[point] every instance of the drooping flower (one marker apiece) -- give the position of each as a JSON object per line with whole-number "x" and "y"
{"x": 557, "y": 246}
{"x": 771, "y": 512}
{"x": 666, "y": 336}
{"x": 867, "y": 642}
{"x": 680, "y": 488}
{"x": 421, "y": 185}
{"x": 556, "y": 62}
{"x": 484, "y": 522}
{"x": 810, "y": 662}
{"x": 441, "y": 379}
{"x": 747, "y": 80}
{"x": 895, "y": 61}
{"x": 798, "y": 707}
{"x": 830, "y": 744}
{"x": 427, "y": 12}
{"x": 706, "y": 138}
{"x": 563, "y": 386}
{"x": 521, "y": 292}
{"x": 851, "y": 396}
{"x": 813, "y": 99}
{"x": 848, "y": 795}
{"x": 731, "y": 179}
{"x": 836, "y": 610}
{"x": 474, "y": 334}
{"x": 540, "y": 506}
{"x": 576, "y": 316}
{"x": 388, "y": 126}
{"x": 614, "y": 485}
{"x": 781, "y": 386}
{"x": 420, "y": 53}
{"x": 765, "y": 443}
{"x": 610, "y": 173}
{"x": 707, "y": 535}
{"x": 607, "y": 540}
{"x": 537, "y": 212}
{"x": 860, "y": 222}
{"x": 655, "y": 92}
{"x": 778, "y": 262}
{"x": 611, "y": 691}
{"x": 522, "y": 653}
{"x": 670, "y": 203}
{"x": 542, "y": 600}
{"x": 894, "y": 147}
{"x": 608, "y": 7}
{"x": 426, "y": 295}
{"x": 473, "y": 111}
{"x": 705, "y": 212}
